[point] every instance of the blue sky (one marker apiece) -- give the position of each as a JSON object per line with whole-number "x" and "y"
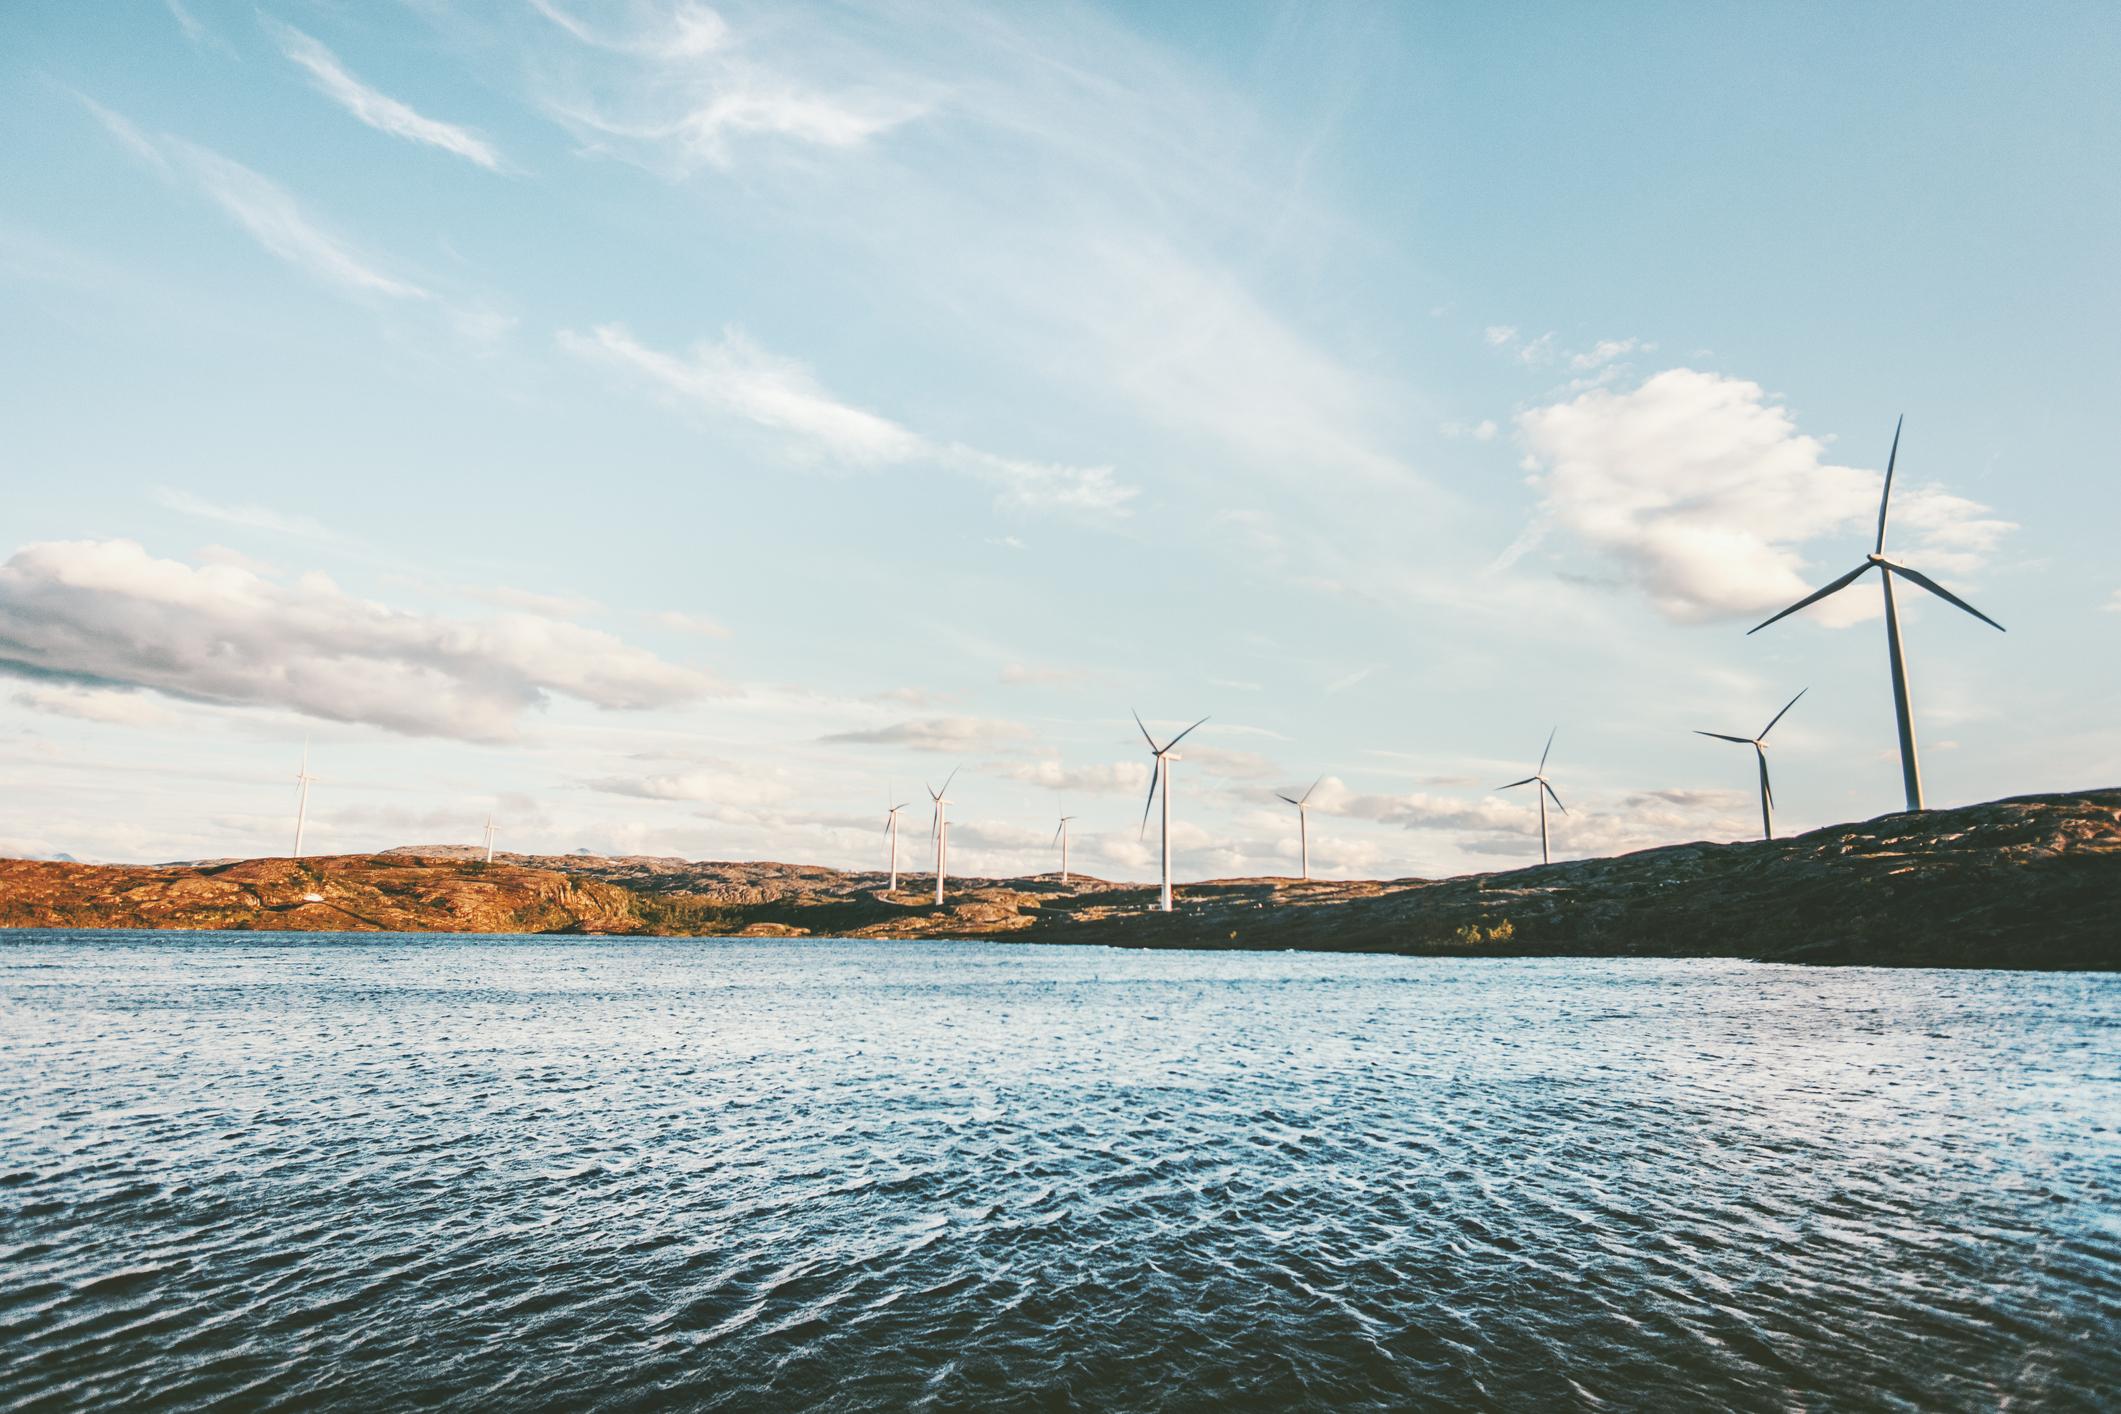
{"x": 679, "y": 430}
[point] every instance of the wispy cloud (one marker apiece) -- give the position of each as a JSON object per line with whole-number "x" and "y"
{"x": 1353, "y": 679}
{"x": 690, "y": 94}
{"x": 249, "y": 517}
{"x": 379, "y": 110}
{"x": 195, "y": 31}
{"x": 946, "y": 734}
{"x": 735, "y": 377}
{"x": 265, "y": 211}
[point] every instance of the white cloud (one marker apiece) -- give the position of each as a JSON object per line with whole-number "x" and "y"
{"x": 1702, "y": 492}
{"x": 942, "y": 734}
{"x": 718, "y": 783}
{"x": 1603, "y": 352}
{"x": 95, "y": 704}
{"x": 379, "y": 110}
{"x": 1482, "y": 431}
{"x": 1025, "y": 675}
{"x": 734, "y": 377}
{"x": 1500, "y": 335}
{"x": 107, "y": 613}
{"x": 1124, "y": 778}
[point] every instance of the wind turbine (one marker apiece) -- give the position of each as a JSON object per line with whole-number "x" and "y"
{"x": 489, "y": 837}
{"x": 1544, "y": 790}
{"x": 1759, "y": 745}
{"x": 1303, "y": 823}
{"x": 1910, "y": 766}
{"x": 302, "y": 780}
{"x": 891, "y": 834}
{"x": 1162, "y": 768}
{"x": 939, "y": 829}
{"x": 1060, "y": 837}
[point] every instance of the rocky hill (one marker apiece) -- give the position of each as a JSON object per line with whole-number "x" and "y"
{"x": 2033, "y": 882}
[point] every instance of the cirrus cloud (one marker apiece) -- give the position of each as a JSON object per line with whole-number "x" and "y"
{"x": 733, "y": 376}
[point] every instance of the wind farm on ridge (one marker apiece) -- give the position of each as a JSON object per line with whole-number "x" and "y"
{"x": 1164, "y": 756}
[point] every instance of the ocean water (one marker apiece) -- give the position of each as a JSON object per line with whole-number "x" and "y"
{"x": 298, "y": 1172}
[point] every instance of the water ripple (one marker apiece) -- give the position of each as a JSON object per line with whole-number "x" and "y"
{"x": 291, "y": 1173}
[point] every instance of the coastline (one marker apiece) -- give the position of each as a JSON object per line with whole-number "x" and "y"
{"x": 2026, "y": 883}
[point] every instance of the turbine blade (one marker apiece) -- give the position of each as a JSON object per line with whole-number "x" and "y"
{"x": 1515, "y": 784}
{"x": 1742, "y": 741}
{"x": 1152, "y": 794}
{"x": 1942, "y": 593}
{"x": 1886, "y": 499}
{"x": 1182, "y": 735}
{"x": 1553, "y": 797}
{"x": 948, "y": 779}
{"x": 1056, "y": 837}
{"x": 1779, "y": 715}
{"x": 1549, "y": 747}
{"x": 1765, "y": 789}
{"x": 1814, "y": 597}
{"x": 1145, "y": 735}
{"x": 1314, "y": 786}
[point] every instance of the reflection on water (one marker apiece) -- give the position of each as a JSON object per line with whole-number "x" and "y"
{"x": 362, "y": 1171}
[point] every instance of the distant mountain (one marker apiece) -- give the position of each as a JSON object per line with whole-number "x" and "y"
{"x": 2024, "y": 883}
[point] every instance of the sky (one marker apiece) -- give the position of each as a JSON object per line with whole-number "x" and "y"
{"x": 688, "y": 431}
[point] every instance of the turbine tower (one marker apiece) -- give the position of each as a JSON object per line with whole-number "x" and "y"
{"x": 1759, "y": 745}
{"x": 489, "y": 837}
{"x": 939, "y": 830}
{"x": 891, "y": 834}
{"x": 1303, "y": 823}
{"x": 1060, "y": 837}
{"x": 1544, "y": 790}
{"x": 302, "y": 780}
{"x": 1910, "y": 766}
{"x": 1162, "y": 768}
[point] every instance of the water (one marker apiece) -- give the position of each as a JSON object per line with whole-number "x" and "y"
{"x": 301, "y": 1172}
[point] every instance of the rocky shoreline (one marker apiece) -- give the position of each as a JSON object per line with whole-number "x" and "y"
{"x": 2032, "y": 882}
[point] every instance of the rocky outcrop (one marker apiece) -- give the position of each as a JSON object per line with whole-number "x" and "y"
{"x": 2028, "y": 883}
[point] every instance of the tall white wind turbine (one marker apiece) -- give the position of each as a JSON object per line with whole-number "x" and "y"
{"x": 302, "y": 780}
{"x": 1060, "y": 837}
{"x": 1538, "y": 778}
{"x": 891, "y": 835}
{"x": 488, "y": 841}
{"x": 1162, "y": 769}
{"x": 1910, "y": 766}
{"x": 1759, "y": 745}
{"x": 1303, "y": 823}
{"x": 939, "y": 829}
